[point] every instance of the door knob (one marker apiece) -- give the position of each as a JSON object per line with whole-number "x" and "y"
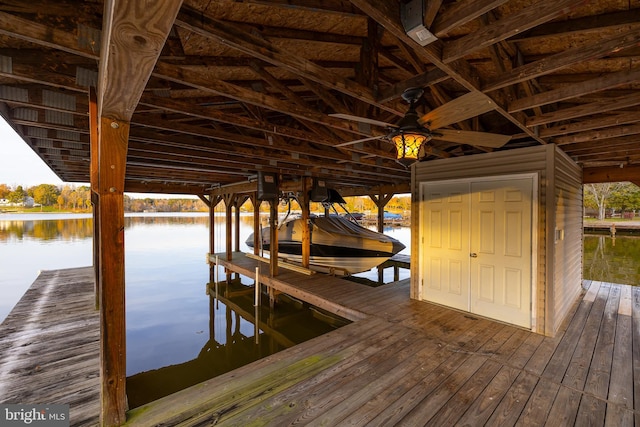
{"x": 473, "y": 255}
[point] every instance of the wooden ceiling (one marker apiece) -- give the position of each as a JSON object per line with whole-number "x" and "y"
{"x": 251, "y": 85}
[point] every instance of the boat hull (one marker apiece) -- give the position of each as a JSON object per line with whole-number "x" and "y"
{"x": 338, "y": 246}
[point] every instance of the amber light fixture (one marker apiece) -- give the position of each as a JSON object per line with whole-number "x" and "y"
{"x": 409, "y": 135}
{"x": 408, "y": 145}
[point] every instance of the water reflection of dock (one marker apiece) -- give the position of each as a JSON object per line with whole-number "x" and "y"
{"x": 629, "y": 228}
{"x": 230, "y": 346}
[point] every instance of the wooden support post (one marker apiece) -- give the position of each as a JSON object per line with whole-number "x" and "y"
{"x": 238, "y": 201}
{"x": 212, "y": 229}
{"x": 381, "y": 201}
{"x": 228, "y": 204}
{"x": 272, "y": 297}
{"x": 132, "y": 39}
{"x": 256, "y": 299}
{"x": 93, "y": 177}
{"x": 112, "y": 152}
{"x": 306, "y": 231}
{"x": 273, "y": 245}
{"x": 256, "y": 224}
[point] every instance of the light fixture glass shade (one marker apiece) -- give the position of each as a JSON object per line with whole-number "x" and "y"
{"x": 408, "y": 146}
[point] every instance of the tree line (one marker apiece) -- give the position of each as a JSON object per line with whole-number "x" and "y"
{"x": 78, "y": 199}
{"x": 607, "y": 199}
{"x": 65, "y": 197}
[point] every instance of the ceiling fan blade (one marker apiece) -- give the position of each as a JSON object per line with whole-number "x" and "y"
{"x": 462, "y": 108}
{"x": 482, "y": 139}
{"x": 371, "y": 138}
{"x": 362, "y": 120}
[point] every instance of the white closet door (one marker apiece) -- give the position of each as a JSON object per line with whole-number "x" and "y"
{"x": 446, "y": 244}
{"x": 476, "y": 247}
{"x": 501, "y": 250}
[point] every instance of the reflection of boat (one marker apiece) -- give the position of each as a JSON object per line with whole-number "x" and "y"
{"x": 337, "y": 245}
{"x": 390, "y": 216}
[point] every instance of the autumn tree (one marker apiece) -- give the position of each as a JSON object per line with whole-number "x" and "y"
{"x": 17, "y": 195}
{"x": 4, "y": 191}
{"x": 45, "y": 194}
{"x": 597, "y": 195}
{"x": 626, "y": 197}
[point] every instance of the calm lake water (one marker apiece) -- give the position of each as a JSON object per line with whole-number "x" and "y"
{"x": 174, "y": 330}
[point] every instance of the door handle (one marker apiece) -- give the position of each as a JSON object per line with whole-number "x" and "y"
{"x": 473, "y": 255}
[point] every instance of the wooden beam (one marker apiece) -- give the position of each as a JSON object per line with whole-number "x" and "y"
{"x": 602, "y": 151}
{"x": 196, "y": 79}
{"x": 593, "y": 24}
{"x": 461, "y": 12}
{"x": 611, "y": 174}
{"x": 429, "y": 78}
{"x": 599, "y": 135}
{"x": 564, "y": 59}
{"x": 529, "y": 17}
{"x": 16, "y": 26}
{"x": 387, "y": 14}
{"x": 607, "y": 81}
{"x": 613, "y": 119}
{"x": 132, "y": 39}
{"x": 112, "y": 153}
{"x": 264, "y": 50}
{"x": 618, "y": 103}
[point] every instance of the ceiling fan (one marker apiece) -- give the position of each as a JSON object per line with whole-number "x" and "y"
{"x": 412, "y": 131}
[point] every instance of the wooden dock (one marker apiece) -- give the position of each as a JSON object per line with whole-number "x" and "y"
{"x": 401, "y": 362}
{"x": 413, "y": 363}
{"x": 50, "y": 346}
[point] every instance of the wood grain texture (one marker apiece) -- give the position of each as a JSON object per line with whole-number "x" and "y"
{"x": 133, "y": 35}
{"x": 404, "y": 362}
{"x": 49, "y": 346}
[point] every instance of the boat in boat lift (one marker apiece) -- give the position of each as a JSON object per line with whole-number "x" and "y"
{"x": 338, "y": 245}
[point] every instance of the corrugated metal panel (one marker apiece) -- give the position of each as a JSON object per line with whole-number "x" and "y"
{"x": 13, "y": 93}
{"x": 6, "y": 64}
{"x": 58, "y": 117}
{"x": 72, "y": 145}
{"x": 58, "y": 100}
{"x": 37, "y": 132}
{"x": 25, "y": 114}
{"x": 68, "y": 135}
{"x": 86, "y": 77}
{"x": 44, "y": 143}
{"x": 89, "y": 38}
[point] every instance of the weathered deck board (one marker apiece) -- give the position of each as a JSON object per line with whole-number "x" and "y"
{"x": 49, "y": 346}
{"x": 403, "y": 363}
{"x": 442, "y": 367}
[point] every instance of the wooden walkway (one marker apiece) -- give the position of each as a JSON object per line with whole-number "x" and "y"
{"x": 401, "y": 362}
{"x": 50, "y": 346}
{"x": 413, "y": 363}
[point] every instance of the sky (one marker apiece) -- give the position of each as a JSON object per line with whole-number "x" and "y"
{"x": 19, "y": 165}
